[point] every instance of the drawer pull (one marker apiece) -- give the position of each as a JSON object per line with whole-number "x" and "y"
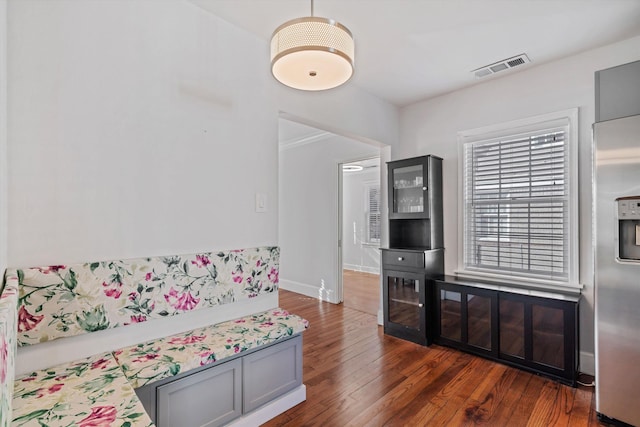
{"x": 400, "y": 258}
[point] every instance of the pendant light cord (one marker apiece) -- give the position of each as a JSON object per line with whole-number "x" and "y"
{"x": 311, "y": 7}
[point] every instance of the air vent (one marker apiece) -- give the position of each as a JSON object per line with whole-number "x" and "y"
{"x": 505, "y": 64}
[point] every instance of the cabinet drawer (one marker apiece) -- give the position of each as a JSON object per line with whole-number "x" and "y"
{"x": 403, "y": 258}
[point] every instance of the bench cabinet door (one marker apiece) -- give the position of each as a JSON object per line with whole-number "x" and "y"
{"x": 271, "y": 372}
{"x": 212, "y": 397}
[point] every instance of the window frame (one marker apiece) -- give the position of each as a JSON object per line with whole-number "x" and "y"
{"x": 568, "y": 119}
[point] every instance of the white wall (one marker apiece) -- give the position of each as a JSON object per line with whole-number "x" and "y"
{"x": 308, "y": 230}
{"x": 357, "y": 254}
{"x": 140, "y": 128}
{"x": 431, "y": 127}
{"x": 3, "y": 138}
{"x": 144, "y": 128}
{"x": 128, "y": 135}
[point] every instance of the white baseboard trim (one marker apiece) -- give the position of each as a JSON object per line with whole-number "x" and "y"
{"x": 380, "y": 318}
{"x": 587, "y": 363}
{"x": 272, "y": 409}
{"x": 362, "y": 268}
{"x": 308, "y": 290}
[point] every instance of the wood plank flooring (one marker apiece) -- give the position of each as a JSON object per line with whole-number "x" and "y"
{"x": 357, "y": 376}
{"x": 361, "y": 291}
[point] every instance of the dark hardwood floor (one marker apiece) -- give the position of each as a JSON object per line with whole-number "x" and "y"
{"x": 357, "y": 376}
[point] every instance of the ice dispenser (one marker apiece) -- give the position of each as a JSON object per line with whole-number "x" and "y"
{"x": 629, "y": 228}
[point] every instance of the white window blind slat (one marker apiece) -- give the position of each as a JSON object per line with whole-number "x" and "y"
{"x": 516, "y": 202}
{"x": 374, "y": 216}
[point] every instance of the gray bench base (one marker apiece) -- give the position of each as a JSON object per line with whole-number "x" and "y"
{"x": 219, "y": 393}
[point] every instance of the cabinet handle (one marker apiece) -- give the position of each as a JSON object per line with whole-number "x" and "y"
{"x": 400, "y": 258}
{"x": 420, "y": 305}
{"x": 424, "y": 188}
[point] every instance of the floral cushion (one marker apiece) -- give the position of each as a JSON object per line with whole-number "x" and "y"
{"x": 8, "y": 334}
{"x": 163, "y": 358}
{"x": 88, "y": 393}
{"x": 64, "y": 300}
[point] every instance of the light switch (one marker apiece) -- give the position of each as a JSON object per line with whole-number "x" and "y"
{"x": 261, "y": 202}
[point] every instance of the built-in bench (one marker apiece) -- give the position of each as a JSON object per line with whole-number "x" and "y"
{"x": 231, "y": 360}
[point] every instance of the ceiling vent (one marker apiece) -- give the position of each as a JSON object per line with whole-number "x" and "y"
{"x": 505, "y": 64}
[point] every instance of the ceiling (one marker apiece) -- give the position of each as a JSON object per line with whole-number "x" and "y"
{"x": 411, "y": 50}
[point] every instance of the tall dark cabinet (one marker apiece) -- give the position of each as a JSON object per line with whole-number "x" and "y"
{"x": 415, "y": 251}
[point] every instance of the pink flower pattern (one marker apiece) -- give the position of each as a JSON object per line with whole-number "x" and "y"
{"x": 4, "y": 359}
{"x": 112, "y": 290}
{"x": 187, "y": 340}
{"x": 27, "y": 321}
{"x": 162, "y": 358}
{"x": 100, "y": 416}
{"x": 51, "y": 269}
{"x": 273, "y": 276}
{"x": 92, "y": 392}
{"x": 49, "y": 390}
{"x": 100, "y": 364}
{"x": 184, "y": 301}
{"x": 139, "y": 318}
{"x": 201, "y": 261}
{"x": 137, "y": 290}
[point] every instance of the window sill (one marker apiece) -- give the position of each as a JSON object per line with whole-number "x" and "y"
{"x": 523, "y": 285}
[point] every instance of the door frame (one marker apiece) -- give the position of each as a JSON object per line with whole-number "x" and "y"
{"x": 340, "y": 214}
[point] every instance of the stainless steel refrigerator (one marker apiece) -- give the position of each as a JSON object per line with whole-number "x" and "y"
{"x": 617, "y": 268}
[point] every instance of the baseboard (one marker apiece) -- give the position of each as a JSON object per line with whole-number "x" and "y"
{"x": 380, "y": 318}
{"x": 587, "y": 363}
{"x": 362, "y": 268}
{"x": 323, "y": 294}
{"x": 272, "y": 409}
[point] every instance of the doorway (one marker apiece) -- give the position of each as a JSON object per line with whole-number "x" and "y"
{"x": 309, "y": 206}
{"x": 361, "y": 219}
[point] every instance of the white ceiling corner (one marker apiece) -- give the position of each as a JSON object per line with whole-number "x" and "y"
{"x": 411, "y": 50}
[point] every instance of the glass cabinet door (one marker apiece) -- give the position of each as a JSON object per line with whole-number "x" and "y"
{"x": 404, "y": 301}
{"x": 451, "y": 315}
{"x": 404, "y": 308}
{"x": 548, "y": 335}
{"x": 408, "y": 188}
{"x": 479, "y": 319}
{"x": 512, "y": 333}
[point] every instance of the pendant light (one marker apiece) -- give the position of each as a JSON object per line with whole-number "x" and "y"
{"x": 312, "y": 53}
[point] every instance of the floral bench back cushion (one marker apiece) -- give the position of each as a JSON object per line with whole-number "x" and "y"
{"x": 64, "y": 300}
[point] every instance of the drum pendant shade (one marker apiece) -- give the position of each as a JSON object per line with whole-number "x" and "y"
{"x": 312, "y": 53}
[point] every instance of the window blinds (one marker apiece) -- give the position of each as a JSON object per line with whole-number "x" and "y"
{"x": 373, "y": 214}
{"x": 516, "y": 205}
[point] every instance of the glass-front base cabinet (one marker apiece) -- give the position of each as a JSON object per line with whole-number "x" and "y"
{"x": 405, "y": 312}
{"x": 536, "y": 333}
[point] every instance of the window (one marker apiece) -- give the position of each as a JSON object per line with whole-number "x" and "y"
{"x": 519, "y": 201}
{"x": 372, "y": 212}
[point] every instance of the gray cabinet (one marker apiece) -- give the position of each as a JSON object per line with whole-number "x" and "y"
{"x": 618, "y": 92}
{"x": 209, "y": 398}
{"x": 271, "y": 373}
{"x": 216, "y": 394}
